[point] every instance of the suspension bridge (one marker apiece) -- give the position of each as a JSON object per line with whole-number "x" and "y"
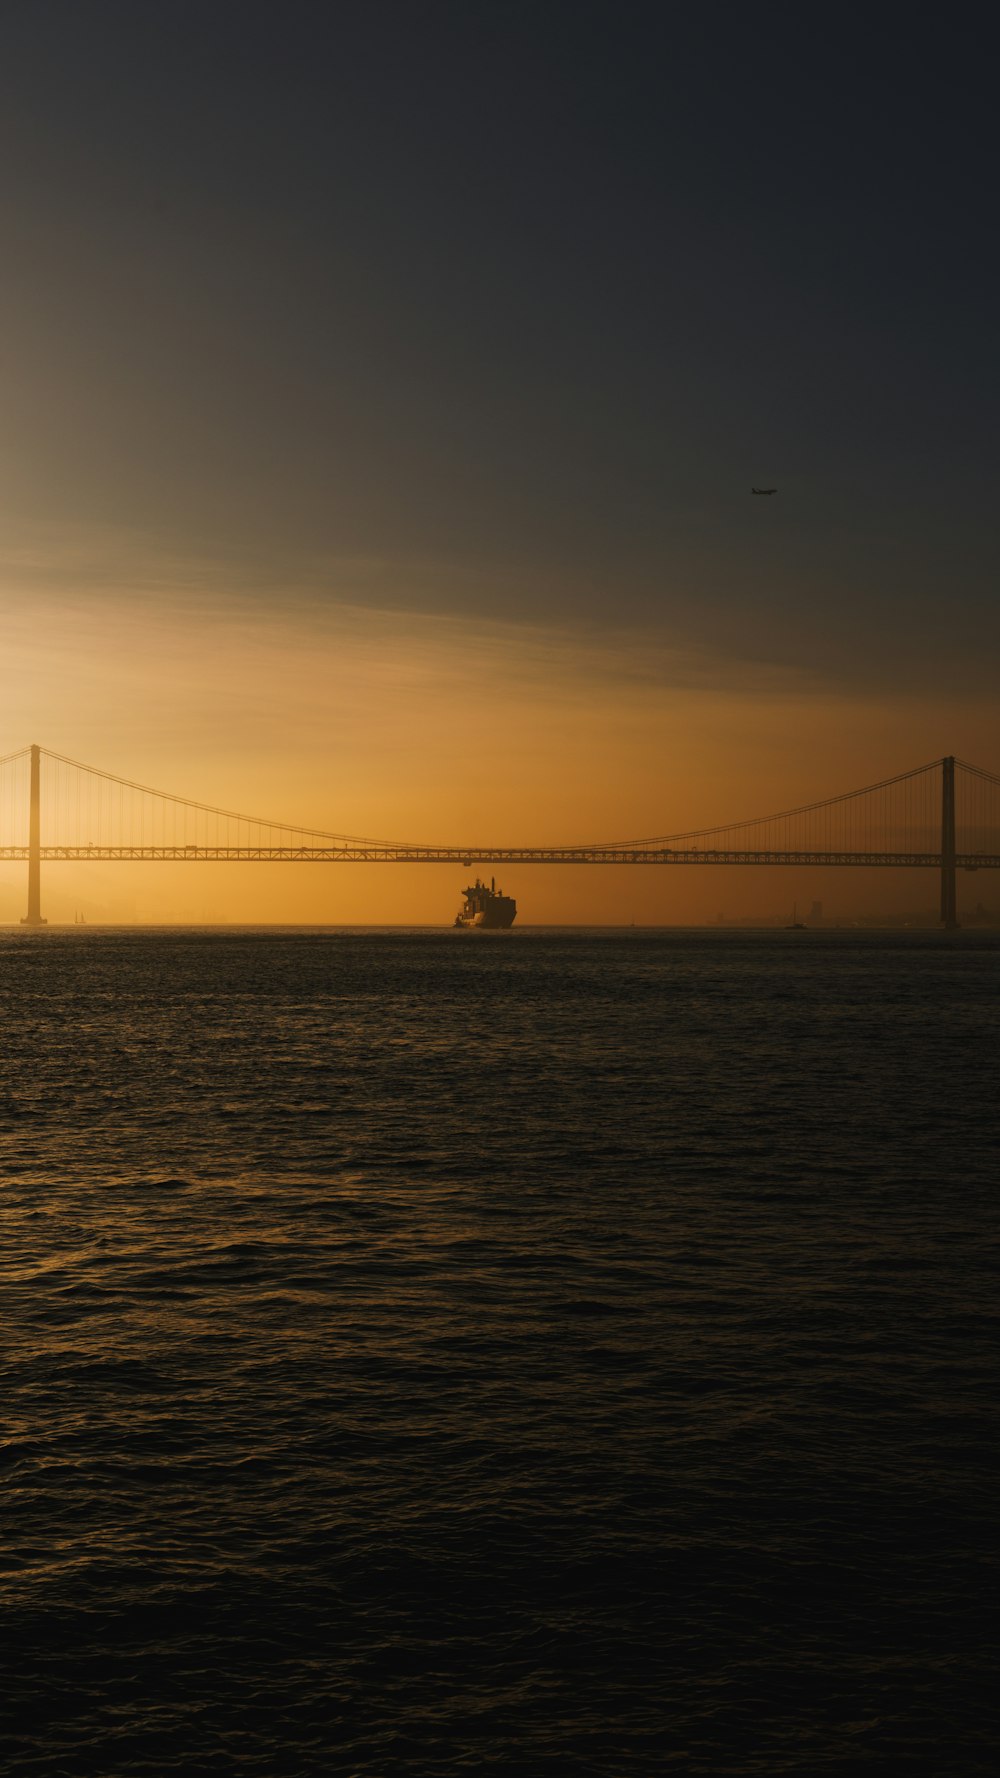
{"x": 943, "y": 816}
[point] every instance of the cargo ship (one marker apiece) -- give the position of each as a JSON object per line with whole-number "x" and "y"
{"x": 486, "y": 907}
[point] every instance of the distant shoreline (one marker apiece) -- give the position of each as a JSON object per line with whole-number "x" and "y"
{"x": 763, "y": 926}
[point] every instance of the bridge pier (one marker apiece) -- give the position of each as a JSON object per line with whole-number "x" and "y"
{"x": 949, "y": 904}
{"x": 33, "y": 917}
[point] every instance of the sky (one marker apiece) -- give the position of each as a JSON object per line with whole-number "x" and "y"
{"x": 383, "y": 387}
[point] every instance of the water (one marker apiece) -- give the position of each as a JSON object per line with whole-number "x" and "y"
{"x": 432, "y": 1353}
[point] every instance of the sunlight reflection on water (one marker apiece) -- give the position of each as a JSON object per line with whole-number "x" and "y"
{"x": 570, "y": 1353}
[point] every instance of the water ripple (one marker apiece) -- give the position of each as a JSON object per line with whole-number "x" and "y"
{"x": 572, "y": 1354}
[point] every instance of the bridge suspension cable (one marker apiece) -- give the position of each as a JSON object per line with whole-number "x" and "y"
{"x": 120, "y": 811}
{"x": 902, "y": 808}
{"x": 100, "y": 809}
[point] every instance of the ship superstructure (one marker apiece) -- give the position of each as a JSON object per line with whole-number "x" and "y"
{"x": 486, "y": 907}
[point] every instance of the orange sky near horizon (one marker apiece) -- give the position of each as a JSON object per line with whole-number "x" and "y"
{"x": 368, "y": 720}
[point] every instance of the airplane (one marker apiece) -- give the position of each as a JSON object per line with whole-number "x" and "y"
{"x": 763, "y": 490}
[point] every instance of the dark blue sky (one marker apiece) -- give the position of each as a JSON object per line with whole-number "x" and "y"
{"x": 522, "y": 296}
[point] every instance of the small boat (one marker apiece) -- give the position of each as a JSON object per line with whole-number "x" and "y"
{"x": 795, "y": 924}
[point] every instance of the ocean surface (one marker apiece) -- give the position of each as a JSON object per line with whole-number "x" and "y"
{"x": 537, "y": 1352}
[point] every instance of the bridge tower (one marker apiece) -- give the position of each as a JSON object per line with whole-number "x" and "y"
{"x": 949, "y": 907}
{"x": 33, "y": 917}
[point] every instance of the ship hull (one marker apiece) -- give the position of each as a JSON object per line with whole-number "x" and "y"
{"x": 491, "y": 919}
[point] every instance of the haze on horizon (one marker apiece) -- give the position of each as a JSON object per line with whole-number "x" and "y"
{"x": 383, "y": 391}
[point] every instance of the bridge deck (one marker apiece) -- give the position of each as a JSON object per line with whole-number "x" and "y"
{"x": 469, "y": 856}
